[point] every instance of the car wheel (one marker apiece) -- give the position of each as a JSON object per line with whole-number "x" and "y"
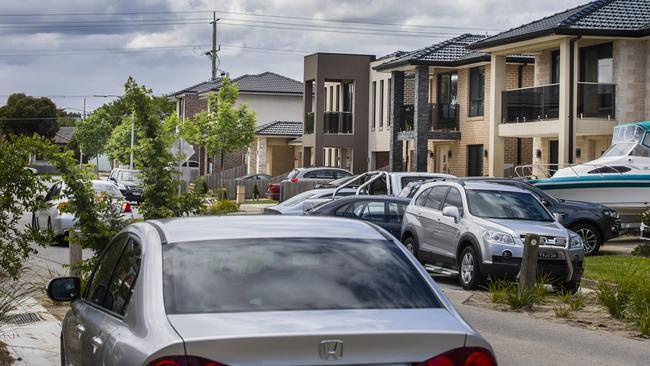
{"x": 470, "y": 274}
{"x": 411, "y": 245}
{"x": 591, "y": 238}
{"x": 568, "y": 286}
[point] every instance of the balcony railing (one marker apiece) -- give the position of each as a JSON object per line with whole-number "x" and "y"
{"x": 309, "y": 123}
{"x": 531, "y": 104}
{"x": 337, "y": 122}
{"x": 596, "y": 100}
{"x": 442, "y": 117}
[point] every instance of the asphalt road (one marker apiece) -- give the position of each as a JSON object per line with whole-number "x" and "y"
{"x": 517, "y": 339}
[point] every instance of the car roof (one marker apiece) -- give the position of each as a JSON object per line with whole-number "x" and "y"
{"x": 481, "y": 185}
{"x": 203, "y": 228}
{"x": 367, "y": 197}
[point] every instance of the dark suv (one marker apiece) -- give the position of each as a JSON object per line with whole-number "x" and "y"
{"x": 128, "y": 182}
{"x": 594, "y": 222}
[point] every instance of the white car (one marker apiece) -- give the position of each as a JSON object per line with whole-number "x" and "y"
{"x": 53, "y": 219}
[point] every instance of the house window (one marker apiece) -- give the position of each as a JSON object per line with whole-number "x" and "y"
{"x": 348, "y": 96}
{"x": 381, "y": 104}
{"x": 331, "y": 98}
{"x": 476, "y": 91}
{"x": 374, "y": 104}
{"x": 447, "y": 88}
{"x": 555, "y": 67}
{"x": 338, "y": 93}
{"x": 596, "y": 64}
{"x": 390, "y": 89}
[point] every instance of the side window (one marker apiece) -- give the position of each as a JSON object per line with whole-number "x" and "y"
{"x": 396, "y": 212}
{"x": 345, "y": 211}
{"x": 122, "y": 283}
{"x": 422, "y": 198}
{"x": 54, "y": 192}
{"x": 320, "y": 174}
{"x": 98, "y": 283}
{"x": 378, "y": 187}
{"x": 369, "y": 210}
{"x": 454, "y": 198}
{"x": 341, "y": 174}
{"x": 434, "y": 199}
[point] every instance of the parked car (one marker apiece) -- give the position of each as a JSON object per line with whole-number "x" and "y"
{"x": 306, "y": 174}
{"x": 236, "y": 290}
{"x": 312, "y": 174}
{"x": 477, "y": 229}
{"x": 383, "y": 211}
{"x": 594, "y": 222}
{"x": 389, "y": 183}
{"x": 128, "y": 181}
{"x": 55, "y": 220}
{"x": 296, "y": 204}
{"x": 255, "y": 177}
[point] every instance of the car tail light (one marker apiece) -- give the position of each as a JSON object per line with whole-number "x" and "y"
{"x": 126, "y": 207}
{"x": 183, "y": 361}
{"x": 470, "y": 356}
{"x": 294, "y": 180}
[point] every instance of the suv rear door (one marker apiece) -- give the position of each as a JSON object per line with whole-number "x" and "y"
{"x": 448, "y": 230}
{"x": 430, "y": 218}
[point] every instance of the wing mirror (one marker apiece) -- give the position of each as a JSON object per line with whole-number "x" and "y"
{"x": 451, "y": 211}
{"x": 64, "y": 289}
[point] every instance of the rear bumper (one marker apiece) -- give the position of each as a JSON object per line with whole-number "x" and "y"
{"x": 133, "y": 196}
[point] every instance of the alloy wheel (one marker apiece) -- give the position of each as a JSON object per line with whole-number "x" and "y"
{"x": 467, "y": 268}
{"x": 589, "y": 239}
{"x": 410, "y": 247}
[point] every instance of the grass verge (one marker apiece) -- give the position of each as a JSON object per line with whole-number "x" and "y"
{"x": 608, "y": 267}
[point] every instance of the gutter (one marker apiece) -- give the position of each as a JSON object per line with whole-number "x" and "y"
{"x": 572, "y": 47}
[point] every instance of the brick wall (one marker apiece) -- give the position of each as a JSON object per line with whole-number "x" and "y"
{"x": 543, "y": 68}
{"x": 409, "y": 89}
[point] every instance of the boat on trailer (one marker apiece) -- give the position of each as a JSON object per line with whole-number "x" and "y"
{"x": 620, "y": 178}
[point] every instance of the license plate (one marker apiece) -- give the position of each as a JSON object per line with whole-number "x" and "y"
{"x": 136, "y": 193}
{"x": 548, "y": 255}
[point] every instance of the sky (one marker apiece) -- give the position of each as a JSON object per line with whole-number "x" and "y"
{"x": 69, "y": 48}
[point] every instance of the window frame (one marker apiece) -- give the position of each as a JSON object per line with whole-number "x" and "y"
{"x": 374, "y": 104}
{"x": 442, "y": 199}
{"x": 476, "y": 91}
{"x": 84, "y": 298}
{"x": 461, "y": 209}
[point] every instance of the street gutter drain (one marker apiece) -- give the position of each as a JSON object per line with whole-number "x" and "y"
{"x": 19, "y": 319}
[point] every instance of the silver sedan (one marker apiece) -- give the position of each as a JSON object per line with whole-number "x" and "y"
{"x": 261, "y": 290}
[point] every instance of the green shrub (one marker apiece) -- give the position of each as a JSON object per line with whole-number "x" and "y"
{"x": 202, "y": 185}
{"x": 524, "y": 300}
{"x": 221, "y": 207}
{"x": 644, "y": 323}
{"x": 612, "y": 299}
{"x": 562, "y": 311}
{"x": 497, "y": 289}
{"x": 642, "y": 250}
{"x": 256, "y": 192}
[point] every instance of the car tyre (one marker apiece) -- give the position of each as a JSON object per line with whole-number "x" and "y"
{"x": 591, "y": 237}
{"x": 566, "y": 287}
{"x": 412, "y": 245}
{"x": 470, "y": 275}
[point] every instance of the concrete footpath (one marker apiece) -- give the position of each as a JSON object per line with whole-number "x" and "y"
{"x": 31, "y": 335}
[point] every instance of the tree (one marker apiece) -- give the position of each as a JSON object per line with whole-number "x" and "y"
{"x": 25, "y": 115}
{"x": 223, "y": 128}
{"x": 19, "y": 192}
{"x": 155, "y": 160}
{"x": 67, "y": 119}
{"x": 92, "y": 134}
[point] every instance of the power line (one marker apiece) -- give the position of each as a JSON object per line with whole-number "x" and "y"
{"x": 24, "y": 15}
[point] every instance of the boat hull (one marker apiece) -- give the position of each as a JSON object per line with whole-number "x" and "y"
{"x": 628, "y": 195}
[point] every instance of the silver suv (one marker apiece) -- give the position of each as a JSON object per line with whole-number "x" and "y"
{"x": 477, "y": 229}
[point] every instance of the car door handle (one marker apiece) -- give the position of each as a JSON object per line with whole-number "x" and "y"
{"x": 80, "y": 330}
{"x": 97, "y": 343}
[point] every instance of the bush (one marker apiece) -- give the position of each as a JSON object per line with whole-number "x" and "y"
{"x": 221, "y": 207}
{"x": 562, "y": 311}
{"x": 497, "y": 289}
{"x": 256, "y": 192}
{"x": 643, "y": 250}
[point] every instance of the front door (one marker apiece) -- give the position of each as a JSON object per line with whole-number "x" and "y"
{"x": 553, "y": 156}
{"x": 474, "y": 160}
{"x": 443, "y": 159}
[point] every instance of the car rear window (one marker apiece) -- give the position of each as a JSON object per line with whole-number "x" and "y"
{"x": 283, "y": 274}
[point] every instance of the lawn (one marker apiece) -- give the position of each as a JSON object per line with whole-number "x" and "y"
{"x": 608, "y": 267}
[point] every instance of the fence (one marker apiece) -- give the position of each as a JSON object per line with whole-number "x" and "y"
{"x": 289, "y": 189}
{"x": 228, "y": 181}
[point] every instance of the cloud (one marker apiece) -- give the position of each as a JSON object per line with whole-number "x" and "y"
{"x": 52, "y": 64}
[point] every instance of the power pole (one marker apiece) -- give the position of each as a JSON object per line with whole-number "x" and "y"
{"x": 213, "y": 52}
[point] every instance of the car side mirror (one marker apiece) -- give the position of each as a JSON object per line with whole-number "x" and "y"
{"x": 559, "y": 218}
{"x": 64, "y": 289}
{"x": 451, "y": 211}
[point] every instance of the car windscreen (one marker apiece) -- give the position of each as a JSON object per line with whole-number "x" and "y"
{"x": 128, "y": 175}
{"x": 495, "y": 204}
{"x": 299, "y": 198}
{"x": 285, "y": 274}
{"x": 107, "y": 189}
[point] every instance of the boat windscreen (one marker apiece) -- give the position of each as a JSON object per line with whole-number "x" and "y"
{"x": 627, "y": 133}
